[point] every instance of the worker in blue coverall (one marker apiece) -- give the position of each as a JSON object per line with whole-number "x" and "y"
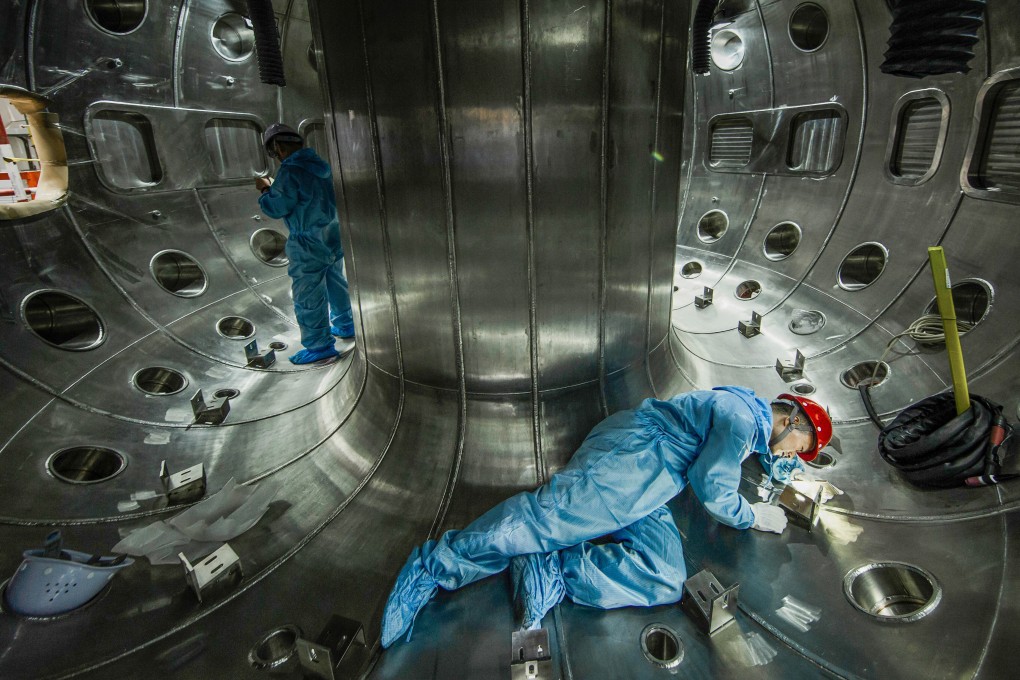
{"x": 302, "y": 196}
{"x": 617, "y": 485}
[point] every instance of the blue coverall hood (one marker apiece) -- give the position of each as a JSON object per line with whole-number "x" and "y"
{"x": 309, "y": 161}
{"x": 762, "y": 410}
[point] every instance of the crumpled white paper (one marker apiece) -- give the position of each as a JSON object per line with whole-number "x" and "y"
{"x": 203, "y": 527}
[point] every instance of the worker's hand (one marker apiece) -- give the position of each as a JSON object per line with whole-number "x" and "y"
{"x": 263, "y": 183}
{"x": 768, "y": 518}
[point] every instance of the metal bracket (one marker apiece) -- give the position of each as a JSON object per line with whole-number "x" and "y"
{"x": 800, "y": 509}
{"x": 705, "y": 299}
{"x": 531, "y": 658}
{"x": 215, "y": 574}
{"x": 212, "y": 412}
{"x": 338, "y": 652}
{"x": 257, "y": 359}
{"x": 708, "y": 603}
{"x": 184, "y": 486}
{"x": 751, "y": 328}
{"x": 791, "y": 370}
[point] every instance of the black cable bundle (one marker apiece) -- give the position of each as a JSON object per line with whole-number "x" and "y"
{"x": 933, "y": 446}
{"x": 701, "y": 38}
{"x": 932, "y": 37}
{"x": 267, "y": 42}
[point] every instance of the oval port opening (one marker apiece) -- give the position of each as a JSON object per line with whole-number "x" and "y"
{"x": 712, "y": 226}
{"x": 86, "y": 464}
{"x": 892, "y": 591}
{"x": 748, "y": 290}
{"x": 235, "y": 327}
{"x": 727, "y": 49}
{"x": 63, "y": 321}
{"x": 278, "y": 346}
{"x": 691, "y": 270}
{"x": 803, "y": 389}
{"x": 232, "y": 38}
{"x": 822, "y": 460}
{"x": 806, "y": 321}
{"x": 972, "y": 300}
{"x": 862, "y": 266}
{"x": 227, "y": 393}
{"x": 178, "y": 273}
{"x": 809, "y": 27}
{"x": 781, "y": 241}
{"x": 864, "y": 373}
{"x": 269, "y": 246}
{"x": 116, "y": 16}
{"x": 662, "y": 646}
{"x": 275, "y": 649}
{"x": 159, "y": 381}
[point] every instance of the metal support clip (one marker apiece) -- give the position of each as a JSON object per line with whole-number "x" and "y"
{"x": 801, "y": 509}
{"x": 338, "y": 653}
{"x": 212, "y": 412}
{"x": 257, "y": 359}
{"x": 531, "y": 658}
{"x": 791, "y": 370}
{"x": 751, "y": 328}
{"x": 214, "y": 575}
{"x": 705, "y": 299}
{"x": 708, "y": 603}
{"x": 184, "y": 486}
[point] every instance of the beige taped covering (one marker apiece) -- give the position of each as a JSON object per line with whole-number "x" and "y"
{"x": 49, "y": 145}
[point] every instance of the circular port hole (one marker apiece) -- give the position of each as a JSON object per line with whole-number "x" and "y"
{"x": 235, "y": 327}
{"x": 806, "y": 321}
{"x": 227, "y": 393}
{"x": 727, "y": 49}
{"x": 277, "y": 346}
{"x": 662, "y": 646}
{"x": 822, "y": 460}
{"x": 972, "y": 299}
{"x": 748, "y": 290}
{"x": 809, "y": 27}
{"x": 691, "y": 270}
{"x": 159, "y": 381}
{"x": 862, "y": 266}
{"x": 116, "y": 16}
{"x": 269, "y": 246}
{"x": 865, "y": 373}
{"x": 63, "y": 321}
{"x": 892, "y": 591}
{"x": 781, "y": 241}
{"x": 275, "y": 649}
{"x": 178, "y": 273}
{"x": 86, "y": 464}
{"x": 803, "y": 388}
{"x": 232, "y": 37}
{"x": 712, "y": 226}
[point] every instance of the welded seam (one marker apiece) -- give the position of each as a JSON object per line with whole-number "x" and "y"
{"x": 182, "y": 20}
{"x": 693, "y": 90}
{"x": 451, "y": 262}
{"x": 792, "y": 644}
{"x": 941, "y": 518}
{"x": 529, "y": 225}
{"x": 604, "y": 204}
{"x": 768, "y": 51}
{"x": 284, "y": 31}
{"x": 561, "y": 638}
{"x": 1002, "y": 590}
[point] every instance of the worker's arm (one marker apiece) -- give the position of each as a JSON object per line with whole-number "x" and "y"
{"x": 278, "y": 202}
{"x": 715, "y": 473}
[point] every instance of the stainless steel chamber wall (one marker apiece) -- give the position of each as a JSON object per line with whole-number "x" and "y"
{"x": 532, "y": 194}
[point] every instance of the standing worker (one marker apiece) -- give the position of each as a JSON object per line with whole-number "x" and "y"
{"x": 617, "y": 485}
{"x": 302, "y": 196}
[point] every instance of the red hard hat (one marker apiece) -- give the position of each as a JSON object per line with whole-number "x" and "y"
{"x": 819, "y": 418}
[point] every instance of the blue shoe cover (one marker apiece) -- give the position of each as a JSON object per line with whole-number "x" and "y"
{"x": 310, "y": 356}
{"x": 412, "y": 591}
{"x": 538, "y": 587}
{"x": 344, "y": 334}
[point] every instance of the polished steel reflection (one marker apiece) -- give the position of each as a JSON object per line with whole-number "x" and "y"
{"x": 862, "y": 266}
{"x": 235, "y": 327}
{"x": 63, "y": 320}
{"x": 972, "y": 301}
{"x": 712, "y": 226}
{"x": 727, "y": 49}
{"x": 893, "y": 591}
{"x": 268, "y": 245}
{"x": 159, "y": 380}
{"x": 178, "y": 273}
{"x": 809, "y": 27}
{"x": 781, "y": 241}
{"x": 232, "y": 37}
{"x": 117, "y": 16}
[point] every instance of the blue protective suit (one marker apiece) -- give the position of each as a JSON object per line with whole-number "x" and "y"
{"x": 616, "y": 486}
{"x": 302, "y": 195}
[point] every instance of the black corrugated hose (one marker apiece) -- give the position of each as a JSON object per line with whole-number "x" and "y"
{"x": 701, "y": 37}
{"x": 267, "y": 42}
{"x": 933, "y": 446}
{"x": 932, "y": 37}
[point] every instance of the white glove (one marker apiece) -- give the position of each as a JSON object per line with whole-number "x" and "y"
{"x": 768, "y": 518}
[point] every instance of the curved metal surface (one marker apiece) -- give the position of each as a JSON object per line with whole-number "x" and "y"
{"x": 520, "y": 185}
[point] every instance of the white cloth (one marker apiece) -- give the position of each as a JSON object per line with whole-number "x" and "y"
{"x": 768, "y": 518}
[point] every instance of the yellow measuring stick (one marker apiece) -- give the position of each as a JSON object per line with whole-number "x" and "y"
{"x": 947, "y": 310}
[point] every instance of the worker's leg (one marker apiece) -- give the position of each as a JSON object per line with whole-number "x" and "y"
{"x": 341, "y": 318}
{"x": 308, "y": 285}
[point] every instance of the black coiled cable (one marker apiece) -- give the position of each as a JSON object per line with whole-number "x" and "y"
{"x": 267, "y": 42}
{"x": 933, "y": 446}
